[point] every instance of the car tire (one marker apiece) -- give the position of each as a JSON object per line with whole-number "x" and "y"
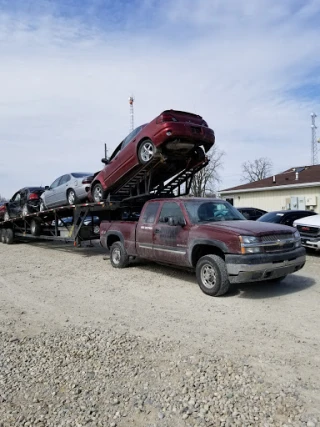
{"x": 97, "y": 193}
{"x": 6, "y": 216}
{"x": 42, "y": 206}
{"x": 35, "y": 228}
{"x": 72, "y": 197}
{"x": 212, "y": 275}
{"x": 118, "y": 256}
{"x": 146, "y": 151}
{"x": 199, "y": 154}
{"x": 9, "y": 236}
{"x": 1, "y": 231}
{"x": 25, "y": 210}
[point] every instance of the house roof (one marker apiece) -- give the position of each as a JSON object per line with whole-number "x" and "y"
{"x": 299, "y": 176}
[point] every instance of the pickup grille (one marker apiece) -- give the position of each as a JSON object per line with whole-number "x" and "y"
{"x": 275, "y": 237}
{"x": 278, "y": 242}
{"x": 308, "y": 231}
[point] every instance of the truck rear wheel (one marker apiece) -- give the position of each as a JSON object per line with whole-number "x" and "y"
{"x": 118, "y": 256}
{"x": 35, "y": 228}
{"x": 3, "y": 235}
{"x": 212, "y": 275}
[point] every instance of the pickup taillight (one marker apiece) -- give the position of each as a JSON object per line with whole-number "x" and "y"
{"x": 33, "y": 196}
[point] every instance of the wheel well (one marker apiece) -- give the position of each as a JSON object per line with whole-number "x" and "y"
{"x": 202, "y": 250}
{"x": 95, "y": 183}
{"x": 112, "y": 239}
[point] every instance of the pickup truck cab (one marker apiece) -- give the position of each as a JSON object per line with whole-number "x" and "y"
{"x": 208, "y": 235}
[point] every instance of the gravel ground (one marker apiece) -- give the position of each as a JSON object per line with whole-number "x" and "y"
{"x": 84, "y": 344}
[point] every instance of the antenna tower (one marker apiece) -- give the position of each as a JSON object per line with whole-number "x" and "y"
{"x": 314, "y": 147}
{"x": 131, "y": 101}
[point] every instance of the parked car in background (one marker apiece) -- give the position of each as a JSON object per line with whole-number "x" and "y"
{"x": 309, "y": 229}
{"x": 23, "y": 202}
{"x": 251, "y": 213}
{"x": 178, "y": 135}
{"x": 285, "y": 217}
{"x": 68, "y": 189}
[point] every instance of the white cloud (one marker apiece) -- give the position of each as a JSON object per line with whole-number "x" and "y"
{"x": 65, "y": 84}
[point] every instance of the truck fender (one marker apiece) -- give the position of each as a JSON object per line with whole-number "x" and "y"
{"x": 206, "y": 242}
{"x": 114, "y": 236}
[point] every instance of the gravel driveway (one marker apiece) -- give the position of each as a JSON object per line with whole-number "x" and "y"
{"x": 83, "y": 344}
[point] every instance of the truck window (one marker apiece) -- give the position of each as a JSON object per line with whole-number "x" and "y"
{"x": 150, "y": 213}
{"x": 171, "y": 209}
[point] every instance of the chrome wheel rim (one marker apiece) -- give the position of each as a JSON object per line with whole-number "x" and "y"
{"x": 97, "y": 194}
{"x": 208, "y": 276}
{"x": 147, "y": 151}
{"x": 116, "y": 256}
{"x": 42, "y": 207}
{"x": 71, "y": 197}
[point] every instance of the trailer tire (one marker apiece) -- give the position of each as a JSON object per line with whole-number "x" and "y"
{"x": 9, "y": 236}
{"x": 35, "y": 228}
{"x": 3, "y": 235}
{"x": 212, "y": 275}
{"x": 146, "y": 151}
{"x": 118, "y": 256}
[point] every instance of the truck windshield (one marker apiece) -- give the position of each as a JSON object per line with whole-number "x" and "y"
{"x": 211, "y": 210}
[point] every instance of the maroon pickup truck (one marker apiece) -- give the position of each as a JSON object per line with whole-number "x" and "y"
{"x": 208, "y": 235}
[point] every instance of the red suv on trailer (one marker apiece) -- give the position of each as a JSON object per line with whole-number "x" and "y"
{"x": 177, "y": 135}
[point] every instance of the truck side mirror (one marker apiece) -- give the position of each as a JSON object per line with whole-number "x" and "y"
{"x": 105, "y": 161}
{"x": 47, "y": 187}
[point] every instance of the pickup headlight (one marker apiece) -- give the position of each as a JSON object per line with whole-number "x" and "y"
{"x": 297, "y": 239}
{"x": 297, "y": 235}
{"x": 250, "y": 245}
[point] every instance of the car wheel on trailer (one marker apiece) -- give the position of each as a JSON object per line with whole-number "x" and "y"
{"x": 199, "y": 154}
{"x": 118, "y": 256}
{"x": 72, "y": 197}
{"x": 97, "y": 193}
{"x": 146, "y": 151}
{"x": 25, "y": 210}
{"x": 9, "y": 236}
{"x": 212, "y": 275}
{"x": 35, "y": 228}
{"x": 6, "y": 216}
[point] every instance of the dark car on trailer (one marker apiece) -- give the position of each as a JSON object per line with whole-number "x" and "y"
{"x": 23, "y": 202}
{"x": 183, "y": 138}
{"x": 286, "y": 217}
{"x": 251, "y": 214}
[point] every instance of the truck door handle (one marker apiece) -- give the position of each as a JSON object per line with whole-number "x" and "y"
{"x": 157, "y": 230}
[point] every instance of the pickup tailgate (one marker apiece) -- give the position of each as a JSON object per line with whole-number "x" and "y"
{"x": 125, "y": 231}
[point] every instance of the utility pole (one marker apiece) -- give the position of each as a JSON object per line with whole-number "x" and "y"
{"x": 131, "y": 101}
{"x": 314, "y": 147}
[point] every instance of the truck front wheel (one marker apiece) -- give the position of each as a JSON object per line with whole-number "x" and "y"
{"x": 118, "y": 256}
{"x": 212, "y": 275}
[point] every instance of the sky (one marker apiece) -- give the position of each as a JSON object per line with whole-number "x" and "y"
{"x": 250, "y": 68}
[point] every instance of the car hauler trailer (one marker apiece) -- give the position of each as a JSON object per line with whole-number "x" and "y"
{"x": 130, "y": 197}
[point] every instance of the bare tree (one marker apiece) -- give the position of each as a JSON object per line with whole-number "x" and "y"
{"x": 205, "y": 180}
{"x": 256, "y": 170}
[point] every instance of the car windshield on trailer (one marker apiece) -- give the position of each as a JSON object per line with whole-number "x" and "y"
{"x": 271, "y": 217}
{"x": 211, "y": 211}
